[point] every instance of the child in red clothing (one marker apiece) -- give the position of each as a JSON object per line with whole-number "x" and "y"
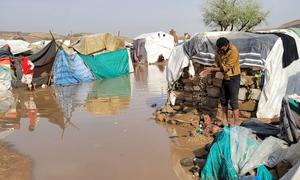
{"x": 27, "y": 70}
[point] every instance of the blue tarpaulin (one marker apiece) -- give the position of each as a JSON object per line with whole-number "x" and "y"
{"x": 70, "y": 69}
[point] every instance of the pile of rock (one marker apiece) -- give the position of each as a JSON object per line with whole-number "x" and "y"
{"x": 250, "y": 90}
{"x": 196, "y": 96}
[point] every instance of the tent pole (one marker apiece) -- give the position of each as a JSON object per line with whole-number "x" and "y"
{"x": 51, "y": 73}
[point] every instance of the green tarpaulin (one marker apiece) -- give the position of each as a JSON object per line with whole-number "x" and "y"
{"x": 109, "y": 64}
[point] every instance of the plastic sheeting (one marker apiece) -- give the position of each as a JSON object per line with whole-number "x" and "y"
{"x": 70, "y": 69}
{"x": 230, "y": 155}
{"x": 17, "y": 46}
{"x": 278, "y": 81}
{"x": 177, "y": 61}
{"x": 149, "y": 46}
{"x": 94, "y": 43}
{"x": 110, "y": 64}
{"x": 253, "y": 48}
{"x": 5, "y": 78}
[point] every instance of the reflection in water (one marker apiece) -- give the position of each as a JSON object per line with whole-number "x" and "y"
{"x": 141, "y": 73}
{"x": 109, "y": 96}
{"x": 8, "y": 115}
{"x": 103, "y": 144}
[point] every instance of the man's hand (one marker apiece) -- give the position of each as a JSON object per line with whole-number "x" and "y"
{"x": 205, "y": 72}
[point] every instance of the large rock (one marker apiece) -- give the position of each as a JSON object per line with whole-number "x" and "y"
{"x": 219, "y": 75}
{"x": 248, "y": 105}
{"x": 217, "y": 82}
{"x": 242, "y": 94}
{"x": 247, "y": 81}
{"x": 255, "y": 94}
{"x": 213, "y": 91}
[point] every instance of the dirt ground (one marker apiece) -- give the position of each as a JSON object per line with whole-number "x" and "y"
{"x": 13, "y": 165}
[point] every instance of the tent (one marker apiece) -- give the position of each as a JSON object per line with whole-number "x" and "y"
{"x": 43, "y": 62}
{"x": 94, "y": 43}
{"x": 264, "y": 50}
{"x": 109, "y": 64}
{"x": 70, "y": 69}
{"x": 17, "y": 46}
{"x": 150, "y": 46}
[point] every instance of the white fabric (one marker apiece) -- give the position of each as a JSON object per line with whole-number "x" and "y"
{"x": 17, "y": 46}
{"x": 27, "y": 79}
{"x": 177, "y": 61}
{"x": 278, "y": 81}
{"x": 156, "y": 44}
{"x": 131, "y": 69}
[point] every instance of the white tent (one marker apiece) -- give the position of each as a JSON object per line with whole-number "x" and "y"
{"x": 279, "y": 81}
{"x": 151, "y": 45}
{"x": 17, "y": 46}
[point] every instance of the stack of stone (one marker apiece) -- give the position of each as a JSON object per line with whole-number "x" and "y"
{"x": 249, "y": 93}
{"x": 198, "y": 93}
{"x": 197, "y": 96}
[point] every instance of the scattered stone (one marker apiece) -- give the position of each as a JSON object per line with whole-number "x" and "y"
{"x": 186, "y": 162}
{"x": 248, "y": 105}
{"x": 154, "y": 105}
{"x": 177, "y": 108}
{"x": 161, "y": 117}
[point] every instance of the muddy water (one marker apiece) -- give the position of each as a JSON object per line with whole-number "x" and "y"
{"x": 98, "y": 130}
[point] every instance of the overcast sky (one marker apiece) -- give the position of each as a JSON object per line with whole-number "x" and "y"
{"x": 131, "y": 17}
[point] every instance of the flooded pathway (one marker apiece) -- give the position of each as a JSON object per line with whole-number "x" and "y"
{"x": 98, "y": 130}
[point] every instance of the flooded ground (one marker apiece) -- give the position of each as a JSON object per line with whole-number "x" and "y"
{"x": 98, "y": 130}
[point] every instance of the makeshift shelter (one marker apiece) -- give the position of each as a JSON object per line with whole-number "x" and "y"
{"x": 43, "y": 62}
{"x": 109, "y": 64}
{"x": 273, "y": 52}
{"x": 17, "y": 46}
{"x": 70, "y": 69}
{"x": 148, "y": 47}
{"x": 94, "y": 43}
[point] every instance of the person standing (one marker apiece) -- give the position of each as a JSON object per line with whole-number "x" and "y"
{"x": 27, "y": 71}
{"x": 227, "y": 60}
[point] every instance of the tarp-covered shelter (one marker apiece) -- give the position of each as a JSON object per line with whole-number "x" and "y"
{"x": 274, "y": 52}
{"x": 94, "y": 43}
{"x": 17, "y": 46}
{"x": 148, "y": 47}
{"x": 43, "y": 62}
{"x": 70, "y": 69}
{"x": 109, "y": 64}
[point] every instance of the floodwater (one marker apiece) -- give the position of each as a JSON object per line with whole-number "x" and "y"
{"x": 98, "y": 130}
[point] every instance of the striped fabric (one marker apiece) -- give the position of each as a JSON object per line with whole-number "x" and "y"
{"x": 70, "y": 69}
{"x": 254, "y": 48}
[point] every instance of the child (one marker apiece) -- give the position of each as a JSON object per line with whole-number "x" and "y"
{"x": 27, "y": 70}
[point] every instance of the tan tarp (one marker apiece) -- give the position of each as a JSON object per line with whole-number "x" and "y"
{"x": 91, "y": 44}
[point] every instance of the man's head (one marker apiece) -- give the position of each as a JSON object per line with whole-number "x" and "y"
{"x": 222, "y": 44}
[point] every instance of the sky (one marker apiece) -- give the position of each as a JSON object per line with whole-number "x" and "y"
{"x": 130, "y": 17}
